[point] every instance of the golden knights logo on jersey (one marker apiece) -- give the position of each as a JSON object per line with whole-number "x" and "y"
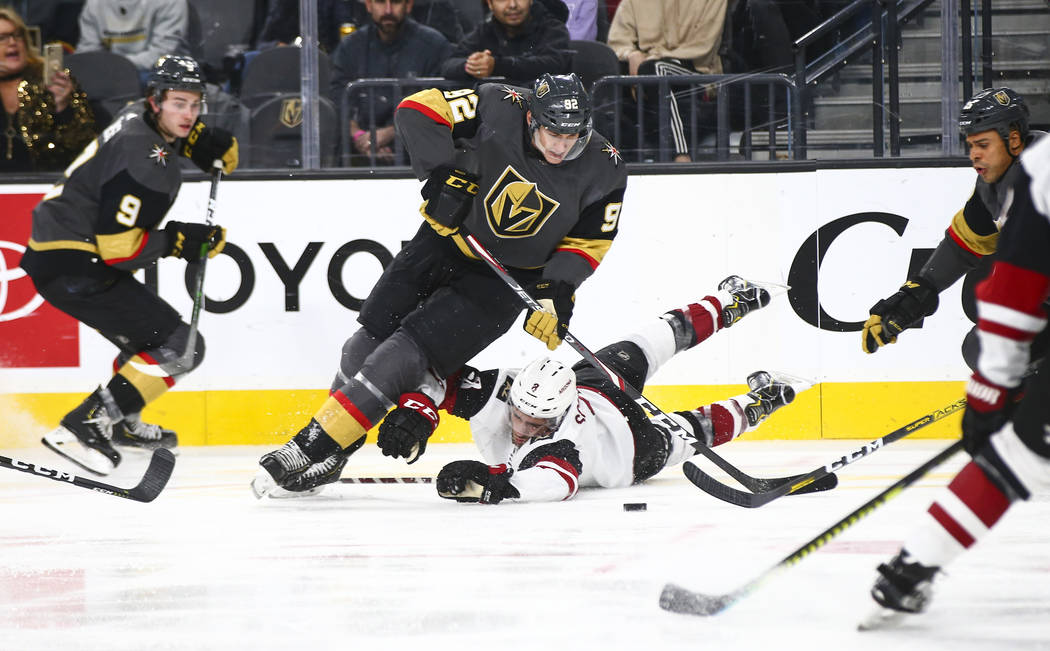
{"x": 514, "y": 206}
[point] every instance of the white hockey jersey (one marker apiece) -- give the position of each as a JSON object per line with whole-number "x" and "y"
{"x": 592, "y": 447}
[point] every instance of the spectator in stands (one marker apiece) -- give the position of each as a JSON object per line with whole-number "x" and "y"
{"x": 141, "y": 30}
{"x": 669, "y": 37}
{"x": 392, "y": 45}
{"x": 43, "y": 127}
{"x": 520, "y": 41}
{"x": 333, "y": 19}
{"x": 57, "y": 20}
{"x": 588, "y": 20}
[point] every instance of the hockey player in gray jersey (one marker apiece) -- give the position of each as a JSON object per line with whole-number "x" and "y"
{"x": 995, "y": 124}
{"x": 524, "y": 172}
{"x": 546, "y": 431}
{"x": 96, "y": 226}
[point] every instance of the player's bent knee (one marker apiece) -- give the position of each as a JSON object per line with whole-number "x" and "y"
{"x": 1026, "y": 470}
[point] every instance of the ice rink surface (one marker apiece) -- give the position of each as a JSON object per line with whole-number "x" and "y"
{"x": 207, "y": 566}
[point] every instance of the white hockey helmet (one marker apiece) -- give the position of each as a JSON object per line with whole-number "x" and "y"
{"x": 546, "y": 389}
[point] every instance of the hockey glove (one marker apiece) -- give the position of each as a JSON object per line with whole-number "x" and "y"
{"x": 205, "y": 145}
{"x": 891, "y": 316}
{"x": 988, "y": 407}
{"x": 449, "y": 195}
{"x": 405, "y": 430}
{"x": 550, "y": 324}
{"x": 473, "y": 481}
{"x": 187, "y": 240}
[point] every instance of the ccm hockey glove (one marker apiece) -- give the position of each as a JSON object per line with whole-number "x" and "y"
{"x": 988, "y": 407}
{"x": 449, "y": 195}
{"x": 188, "y": 238}
{"x": 473, "y": 481}
{"x": 891, "y": 316}
{"x": 550, "y": 324}
{"x": 405, "y": 430}
{"x": 205, "y": 145}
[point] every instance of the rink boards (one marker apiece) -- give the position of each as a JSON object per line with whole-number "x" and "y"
{"x": 302, "y": 255}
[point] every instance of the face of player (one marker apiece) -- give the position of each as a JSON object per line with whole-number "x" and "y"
{"x": 512, "y": 13}
{"x": 177, "y": 113}
{"x": 12, "y": 49}
{"x": 388, "y": 14}
{"x": 524, "y": 427}
{"x": 988, "y": 153}
{"x": 553, "y": 146}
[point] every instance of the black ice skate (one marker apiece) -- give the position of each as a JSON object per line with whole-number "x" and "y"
{"x": 84, "y": 435}
{"x": 769, "y": 392}
{"x": 133, "y": 432}
{"x": 290, "y": 473}
{"x": 904, "y": 587}
{"x": 749, "y": 296}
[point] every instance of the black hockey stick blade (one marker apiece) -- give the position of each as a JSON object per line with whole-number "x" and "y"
{"x": 677, "y": 599}
{"x": 816, "y": 479}
{"x": 760, "y": 484}
{"x": 149, "y": 487}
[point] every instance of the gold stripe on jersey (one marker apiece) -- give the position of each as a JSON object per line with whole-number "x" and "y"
{"x": 150, "y": 387}
{"x": 56, "y": 245}
{"x": 432, "y": 103}
{"x": 980, "y": 244}
{"x": 594, "y": 250}
{"x": 121, "y": 246}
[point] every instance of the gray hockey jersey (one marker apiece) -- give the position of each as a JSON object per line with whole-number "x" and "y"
{"x": 102, "y": 215}
{"x": 528, "y": 213}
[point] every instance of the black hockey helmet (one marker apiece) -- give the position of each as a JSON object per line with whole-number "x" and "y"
{"x": 561, "y": 104}
{"x": 174, "y": 72}
{"x": 1001, "y": 109}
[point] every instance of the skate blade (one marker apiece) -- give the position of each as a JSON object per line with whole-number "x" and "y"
{"x": 774, "y": 289}
{"x": 262, "y": 485}
{"x": 881, "y": 618}
{"x": 65, "y": 444}
{"x": 797, "y": 382}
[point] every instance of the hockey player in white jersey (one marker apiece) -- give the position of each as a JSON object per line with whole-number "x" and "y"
{"x": 1006, "y": 426}
{"x": 547, "y": 430}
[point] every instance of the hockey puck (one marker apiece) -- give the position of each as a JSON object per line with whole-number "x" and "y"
{"x": 634, "y": 506}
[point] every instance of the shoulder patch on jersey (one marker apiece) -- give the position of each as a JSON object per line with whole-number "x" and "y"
{"x": 159, "y": 155}
{"x": 514, "y": 95}
{"x": 614, "y": 153}
{"x": 504, "y": 391}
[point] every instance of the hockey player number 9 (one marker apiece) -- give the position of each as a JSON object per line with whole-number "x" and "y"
{"x": 129, "y": 210}
{"x": 612, "y": 215}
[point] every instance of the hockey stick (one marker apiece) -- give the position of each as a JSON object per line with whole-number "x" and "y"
{"x": 186, "y": 361}
{"x": 679, "y": 600}
{"x": 149, "y": 487}
{"x": 713, "y": 487}
{"x": 655, "y": 412}
{"x": 386, "y": 480}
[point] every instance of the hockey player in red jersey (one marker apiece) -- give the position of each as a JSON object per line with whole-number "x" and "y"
{"x": 1007, "y": 419}
{"x": 547, "y": 430}
{"x": 96, "y": 226}
{"x": 525, "y": 173}
{"x": 995, "y": 125}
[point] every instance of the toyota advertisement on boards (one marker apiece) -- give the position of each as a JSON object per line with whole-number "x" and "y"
{"x": 302, "y": 256}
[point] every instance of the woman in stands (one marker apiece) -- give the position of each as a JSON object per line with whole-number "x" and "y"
{"x": 41, "y": 127}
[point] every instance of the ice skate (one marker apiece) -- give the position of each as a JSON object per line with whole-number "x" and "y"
{"x": 134, "y": 432}
{"x": 84, "y": 435}
{"x": 288, "y": 472}
{"x": 904, "y": 587}
{"x": 770, "y": 391}
{"x": 749, "y": 296}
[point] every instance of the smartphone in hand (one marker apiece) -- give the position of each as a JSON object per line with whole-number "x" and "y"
{"x": 52, "y": 61}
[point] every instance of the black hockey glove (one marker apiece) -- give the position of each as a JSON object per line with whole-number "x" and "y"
{"x": 891, "y": 316}
{"x": 405, "y": 430}
{"x": 473, "y": 481}
{"x": 450, "y": 194}
{"x": 205, "y": 145}
{"x": 550, "y": 324}
{"x": 188, "y": 238}
{"x": 988, "y": 407}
